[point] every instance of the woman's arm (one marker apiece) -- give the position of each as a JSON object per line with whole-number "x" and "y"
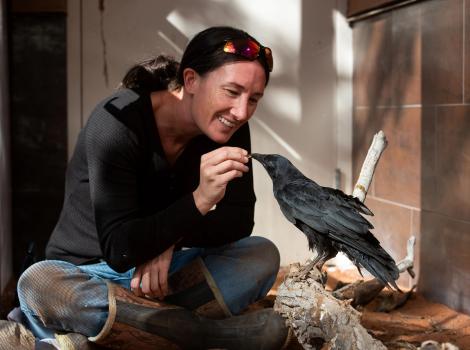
{"x": 127, "y": 238}
{"x": 233, "y": 217}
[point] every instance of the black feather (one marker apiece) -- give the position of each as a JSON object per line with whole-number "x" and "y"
{"x": 330, "y": 219}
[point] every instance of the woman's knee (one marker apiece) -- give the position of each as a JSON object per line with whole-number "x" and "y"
{"x": 59, "y": 295}
{"x": 271, "y": 254}
{"x": 38, "y": 278}
{"x": 41, "y": 282}
{"x": 267, "y": 255}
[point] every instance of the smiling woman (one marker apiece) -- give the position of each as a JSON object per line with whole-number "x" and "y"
{"x": 150, "y": 166}
{"x": 232, "y": 92}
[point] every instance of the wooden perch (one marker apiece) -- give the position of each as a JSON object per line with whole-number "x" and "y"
{"x": 408, "y": 261}
{"x": 368, "y": 167}
{"x": 318, "y": 319}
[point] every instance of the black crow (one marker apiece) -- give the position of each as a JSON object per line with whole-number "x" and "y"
{"x": 330, "y": 219}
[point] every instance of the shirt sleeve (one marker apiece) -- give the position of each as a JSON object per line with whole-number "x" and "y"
{"x": 233, "y": 217}
{"x": 127, "y": 238}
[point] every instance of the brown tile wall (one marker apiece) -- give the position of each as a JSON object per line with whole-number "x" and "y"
{"x": 394, "y": 233}
{"x": 412, "y": 80}
{"x": 467, "y": 53}
{"x": 450, "y": 179}
{"x": 372, "y": 61}
{"x": 445, "y": 260}
{"x": 442, "y": 51}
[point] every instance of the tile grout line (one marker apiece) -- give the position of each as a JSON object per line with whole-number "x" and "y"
{"x": 392, "y": 106}
{"x": 414, "y": 106}
{"x": 387, "y": 201}
{"x": 448, "y": 217}
{"x": 382, "y": 200}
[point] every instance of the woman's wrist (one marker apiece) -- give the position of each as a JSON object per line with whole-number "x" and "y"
{"x": 202, "y": 205}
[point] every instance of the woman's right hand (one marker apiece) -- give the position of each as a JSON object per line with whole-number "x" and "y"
{"x": 217, "y": 169}
{"x": 151, "y": 278}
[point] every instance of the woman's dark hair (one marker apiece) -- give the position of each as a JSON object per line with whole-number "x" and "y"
{"x": 204, "y": 54}
{"x": 152, "y": 74}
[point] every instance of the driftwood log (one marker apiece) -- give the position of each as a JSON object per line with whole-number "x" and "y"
{"x": 317, "y": 317}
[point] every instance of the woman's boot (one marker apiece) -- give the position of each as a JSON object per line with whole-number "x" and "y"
{"x": 139, "y": 323}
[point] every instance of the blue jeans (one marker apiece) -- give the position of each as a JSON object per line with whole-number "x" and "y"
{"x": 59, "y": 296}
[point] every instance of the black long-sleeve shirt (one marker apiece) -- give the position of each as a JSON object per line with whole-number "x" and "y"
{"x": 125, "y": 204}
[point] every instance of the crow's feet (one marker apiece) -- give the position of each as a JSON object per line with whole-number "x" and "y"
{"x": 312, "y": 270}
{"x": 305, "y": 270}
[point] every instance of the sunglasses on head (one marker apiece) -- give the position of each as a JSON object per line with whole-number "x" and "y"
{"x": 250, "y": 49}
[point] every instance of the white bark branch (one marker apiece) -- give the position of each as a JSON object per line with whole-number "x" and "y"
{"x": 368, "y": 167}
{"x": 407, "y": 263}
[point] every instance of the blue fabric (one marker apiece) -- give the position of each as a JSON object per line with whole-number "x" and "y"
{"x": 57, "y": 295}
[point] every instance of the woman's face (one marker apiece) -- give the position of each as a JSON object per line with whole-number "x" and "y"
{"x": 226, "y": 98}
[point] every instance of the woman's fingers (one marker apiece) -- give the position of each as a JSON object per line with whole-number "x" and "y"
{"x": 217, "y": 169}
{"x": 229, "y": 165}
{"x": 135, "y": 282}
{"x": 224, "y": 153}
{"x": 222, "y": 150}
{"x": 150, "y": 278}
{"x": 155, "y": 288}
{"x": 216, "y": 174}
{"x": 165, "y": 259}
{"x": 229, "y": 176}
{"x": 163, "y": 283}
{"x": 146, "y": 281}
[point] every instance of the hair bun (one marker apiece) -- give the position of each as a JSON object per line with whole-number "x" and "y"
{"x": 153, "y": 74}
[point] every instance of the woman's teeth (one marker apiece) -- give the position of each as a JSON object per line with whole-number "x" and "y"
{"x": 225, "y": 122}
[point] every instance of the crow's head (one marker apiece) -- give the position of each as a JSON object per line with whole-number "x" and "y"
{"x": 277, "y": 166}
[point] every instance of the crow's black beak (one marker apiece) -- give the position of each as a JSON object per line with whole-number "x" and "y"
{"x": 258, "y": 157}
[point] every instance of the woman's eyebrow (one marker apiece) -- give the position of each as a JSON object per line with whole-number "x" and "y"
{"x": 238, "y": 86}
{"x": 241, "y": 87}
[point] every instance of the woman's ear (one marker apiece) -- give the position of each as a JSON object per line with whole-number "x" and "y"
{"x": 191, "y": 80}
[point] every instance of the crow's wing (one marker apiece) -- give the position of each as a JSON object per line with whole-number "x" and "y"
{"x": 348, "y": 201}
{"x": 330, "y": 213}
{"x": 321, "y": 207}
{"x": 335, "y": 216}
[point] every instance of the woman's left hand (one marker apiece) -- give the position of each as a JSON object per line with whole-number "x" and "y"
{"x": 151, "y": 278}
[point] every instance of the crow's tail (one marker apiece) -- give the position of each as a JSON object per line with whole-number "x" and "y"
{"x": 384, "y": 268}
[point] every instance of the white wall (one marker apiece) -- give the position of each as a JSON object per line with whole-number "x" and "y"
{"x": 305, "y": 114}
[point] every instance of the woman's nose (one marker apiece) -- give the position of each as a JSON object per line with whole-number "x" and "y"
{"x": 240, "y": 111}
